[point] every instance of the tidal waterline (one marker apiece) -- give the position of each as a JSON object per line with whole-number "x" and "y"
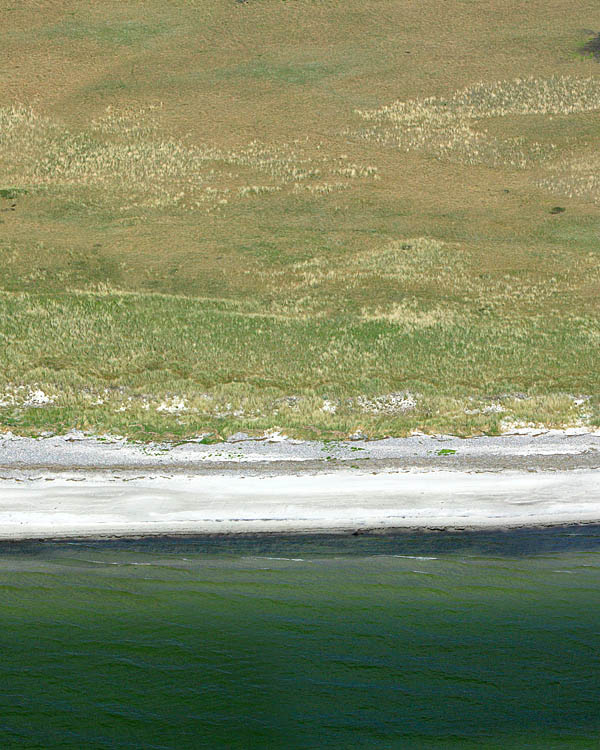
{"x": 411, "y": 640}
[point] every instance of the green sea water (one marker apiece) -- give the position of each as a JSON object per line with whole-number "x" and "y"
{"x": 472, "y": 640}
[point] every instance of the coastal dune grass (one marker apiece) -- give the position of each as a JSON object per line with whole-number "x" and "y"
{"x": 157, "y": 364}
{"x": 318, "y": 218}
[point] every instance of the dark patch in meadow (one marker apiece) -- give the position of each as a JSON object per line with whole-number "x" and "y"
{"x": 592, "y": 48}
{"x": 12, "y": 194}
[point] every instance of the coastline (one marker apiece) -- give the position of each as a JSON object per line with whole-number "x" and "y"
{"x": 524, "y": 449}
{"x": 77, "y": 486}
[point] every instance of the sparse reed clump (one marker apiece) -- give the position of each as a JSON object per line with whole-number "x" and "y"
{"x": 410, "y": 316}
{"x": 122, "y": 160}
{"x": 574, "y": 176}
{"x": 445, "y": 127}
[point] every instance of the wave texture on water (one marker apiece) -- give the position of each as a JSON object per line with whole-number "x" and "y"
{"x": 480, "y": 640}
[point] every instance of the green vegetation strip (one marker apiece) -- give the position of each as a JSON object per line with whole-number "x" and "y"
{"x": 160, "y": 365}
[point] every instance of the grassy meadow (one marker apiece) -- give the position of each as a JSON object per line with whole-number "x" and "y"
{"x": 299, "y": 215}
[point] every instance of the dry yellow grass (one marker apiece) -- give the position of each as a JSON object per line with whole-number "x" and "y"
{"x": 253, "y": 210}
{"x": 121, "y": 162}
{"x": 451, "y": 127}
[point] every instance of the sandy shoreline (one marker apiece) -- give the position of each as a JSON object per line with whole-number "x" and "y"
{"x": 59, "y": 505}
{"x": 76, "y": 487}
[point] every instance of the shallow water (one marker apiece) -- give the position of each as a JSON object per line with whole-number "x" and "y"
{"x": 466, "y": 640}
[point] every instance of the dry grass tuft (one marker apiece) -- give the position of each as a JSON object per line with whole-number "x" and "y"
{"x": 447, "y": 128}
{"x": 408, "y": 315}
{"x": 124, "y": 162}
{"x": 577, "y": 176}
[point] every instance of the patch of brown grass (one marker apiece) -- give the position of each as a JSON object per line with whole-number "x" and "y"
{"x": 205, "y": 151}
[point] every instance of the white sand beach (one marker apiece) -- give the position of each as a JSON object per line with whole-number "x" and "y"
{"x": 63, "y": 487}
{"x": 62, "y": 505}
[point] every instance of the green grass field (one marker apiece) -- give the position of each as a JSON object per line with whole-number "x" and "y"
{"x": 299, "y": 215}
